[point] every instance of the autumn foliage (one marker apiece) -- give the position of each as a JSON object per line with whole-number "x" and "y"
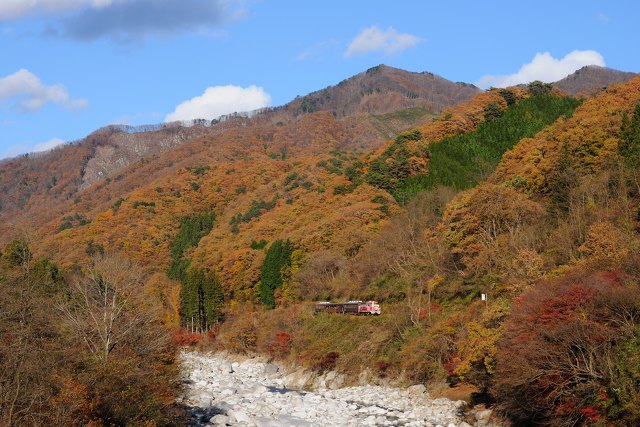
{"x": 528, "y": 197}
{"x": 558, "y": 360}
{"x": 185, "y": 338}
{"x": 591, "y": 136}
{"x": 281, "y": 345}
{"x": 326, "y": 362}
{"x": 81, "y": 349}
{"x": 483, "y": 223}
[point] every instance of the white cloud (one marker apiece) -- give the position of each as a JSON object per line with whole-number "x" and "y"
{"x": 31, "y": 94}
{"x": 546, "y": 68}
{"x": 46, "y": 146}
{"x": 373, "y": 39}
{"x": 14, "y": 9}
{"x": 220, "y": 100}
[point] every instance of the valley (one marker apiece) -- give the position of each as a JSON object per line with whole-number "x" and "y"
{"x": 497, "y": 229}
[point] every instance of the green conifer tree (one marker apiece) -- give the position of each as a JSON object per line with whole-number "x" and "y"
{"x": 278, "y": 256}
{"x": 201, "y": 299}
{"x": 629, "y": 145}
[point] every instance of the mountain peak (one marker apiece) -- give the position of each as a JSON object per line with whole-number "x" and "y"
{"x": 382, "y": 89}
{"x": 590, "y": 79}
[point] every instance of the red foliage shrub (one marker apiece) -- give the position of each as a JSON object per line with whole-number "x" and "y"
{"x": 185, "y": 338}
{"x": 280, "y": 345}
{"x": 563, "y": 305}
{"x": 382, "y": 366}
{"x": 435, "y": 308}
{"x": 450, "y": 363}
{"x": 327, "y": 362}
{"x": 591, "y": 413}
{"x": 555, "y": 357}
{"x": 613, "y": 277}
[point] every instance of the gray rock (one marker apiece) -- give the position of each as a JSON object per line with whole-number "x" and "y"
{"x": 299, "y": 413}
{"x": 337, "y": 382}
{"x": 203, "y": 400}
{"x": 376, "y": 410}
{"x": 251, "y": 392}
{"x": 459, "y": 404}
{"x": 270, "y": 370}
{"x": 417, "y": 390}
{"x": 320, "y": 383}
{"x": 228, "y": 391}
{"x": 239, "y": 416}
{"x": 219, "y": 420}
{"x": 363, "y": 378}
{"x": 259, "y": 389}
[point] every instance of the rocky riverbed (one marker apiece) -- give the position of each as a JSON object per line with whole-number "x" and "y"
{"x": 224, "y": 391}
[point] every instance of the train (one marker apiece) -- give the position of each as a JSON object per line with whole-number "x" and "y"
{"x": 371, "y": 308}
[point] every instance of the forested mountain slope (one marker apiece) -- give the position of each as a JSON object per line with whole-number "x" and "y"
{"x": 372, "y": 108}
{"x": 526, "y": 195}
{"x": 557, "y": 258}
{"x": 306, "y": 185}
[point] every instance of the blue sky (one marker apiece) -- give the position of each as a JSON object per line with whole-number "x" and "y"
{"x": 71, "y": 66}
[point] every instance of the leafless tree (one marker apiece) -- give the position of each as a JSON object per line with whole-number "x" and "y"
{"x": 102, "y": 310}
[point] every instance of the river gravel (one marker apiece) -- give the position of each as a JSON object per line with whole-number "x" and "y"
{"x": 220, "y": 391}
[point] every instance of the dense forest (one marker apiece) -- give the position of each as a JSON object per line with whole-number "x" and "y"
{"x": 553, "y": 343}
{"x": 526, "y": 195}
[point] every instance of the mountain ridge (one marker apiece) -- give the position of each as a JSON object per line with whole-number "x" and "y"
{"x": 591, "y": 79}
{"x": 65, "y": 171}
{"x": 366, "y": 115}
{"x": 402, "y": 89}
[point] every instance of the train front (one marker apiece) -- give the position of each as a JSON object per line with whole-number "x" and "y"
{"x": 370, "y": 307}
